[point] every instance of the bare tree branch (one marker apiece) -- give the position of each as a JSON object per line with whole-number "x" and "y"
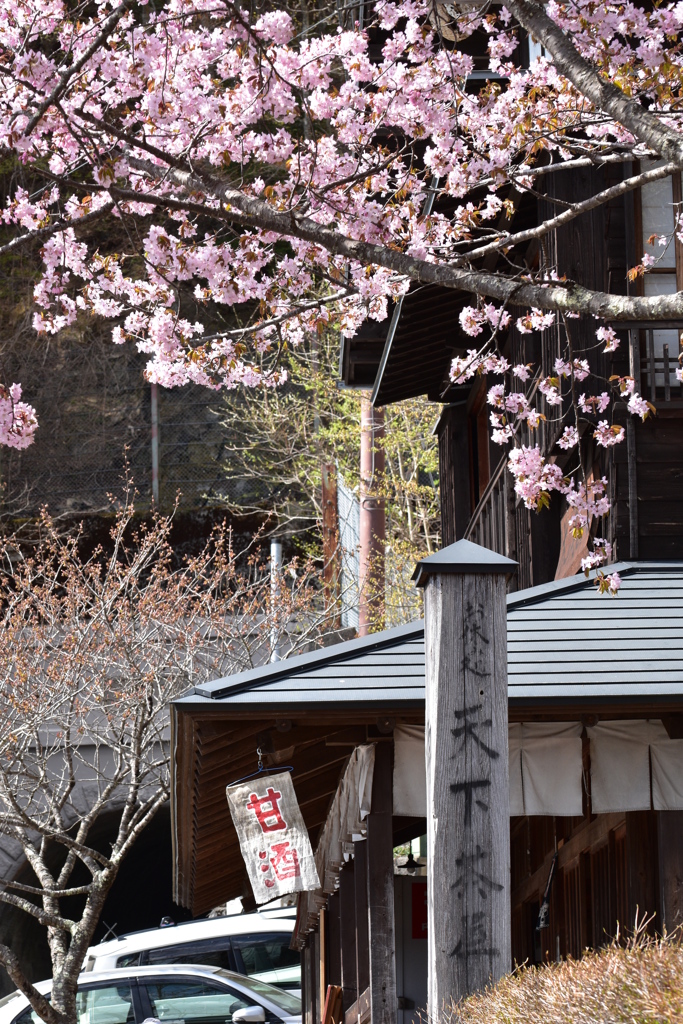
{"x": 79, "y": 890}
{"x": 620, "y": 189}
{"x": 63, "y": 923}
{"x": 10, "y": 961}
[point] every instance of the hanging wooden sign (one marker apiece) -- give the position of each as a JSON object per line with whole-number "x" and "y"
{"x": 273, "y": 838}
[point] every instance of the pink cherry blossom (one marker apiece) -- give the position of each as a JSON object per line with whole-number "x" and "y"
{"x": 569, "y": 439}
{"x": 609, "y": 336}
{"x": 607, "y": 436}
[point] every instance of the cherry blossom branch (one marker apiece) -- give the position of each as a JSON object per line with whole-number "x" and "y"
{"x": 52, "y": 229}
{"x": 575, "y": 210}
{"x": 303, "y": 307}
{"x": 242, "y": 209}
{"x": 586, "y": 78}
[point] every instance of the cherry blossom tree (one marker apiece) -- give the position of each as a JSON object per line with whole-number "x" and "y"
{"x": 91, "y": 652}
{"x": 273, "y": 174}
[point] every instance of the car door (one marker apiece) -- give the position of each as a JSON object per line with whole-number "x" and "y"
{"x": 104, "y": 1003}
{"x": 186, "y": 1000}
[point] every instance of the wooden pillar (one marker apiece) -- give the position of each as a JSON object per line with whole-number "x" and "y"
{"x": 670, "y": 843}
{"x": 380, "y": 875}
{"x": 307, "y": 996}
{"x": 360, "y": 877}
{"x": 466, "y": 751}
{"x": 347, "y": 927}
{"x": 642, "y": 863}
{"x": 322, "y": 959}
{"x": 334, "y": 976}
{"x": 315, "y": 976}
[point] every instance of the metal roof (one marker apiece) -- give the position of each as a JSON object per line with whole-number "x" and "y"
{"x": 383, "y": 668}
{"x": 566, "y": 644}
{"x": 462, "y": 557}
{"x": 567, "y": 641}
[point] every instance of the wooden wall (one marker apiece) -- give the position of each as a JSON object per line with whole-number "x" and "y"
{"x": 454, "y": 472}
{"x": 610, "y": 868}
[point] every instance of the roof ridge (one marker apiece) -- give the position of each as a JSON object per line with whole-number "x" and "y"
{"x": 242, "y": 681}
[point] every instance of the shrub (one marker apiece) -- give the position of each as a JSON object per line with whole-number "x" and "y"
{"x": 639, "y": 983}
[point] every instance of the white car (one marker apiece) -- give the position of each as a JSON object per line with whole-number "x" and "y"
{"x": 181, "y": 994}
{"x": 253, "y": 944}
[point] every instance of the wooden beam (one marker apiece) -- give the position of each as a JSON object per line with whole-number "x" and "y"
{"x": 380, "y": 882}
{"x": 360, "y": 1012}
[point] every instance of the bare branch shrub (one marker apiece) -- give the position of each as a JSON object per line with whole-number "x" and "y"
{"x": 91, "y": 653}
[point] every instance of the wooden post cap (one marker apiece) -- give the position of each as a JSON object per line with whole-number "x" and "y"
{"x": 463, "y": 557}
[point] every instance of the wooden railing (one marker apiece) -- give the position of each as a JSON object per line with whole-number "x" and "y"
{"x": 658, "y": 381}
{"x": 487, "y": 525}
{"x": 500, "y": 522}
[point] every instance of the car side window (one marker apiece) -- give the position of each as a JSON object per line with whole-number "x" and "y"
{"x": 195, "y": 1001}
{"x": 210, "y": 953}
{"x": 103, "y": 1004}
{"x": 264, "y": 956}
{"x": 129, "y": 960}
{"x": 106, "y": 1004}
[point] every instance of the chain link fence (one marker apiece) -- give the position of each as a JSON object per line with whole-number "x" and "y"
{"x": 95, "y": 415}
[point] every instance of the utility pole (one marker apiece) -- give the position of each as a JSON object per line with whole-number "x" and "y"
{"x": 330, "y": 541}
{"x": 275, "y": 584}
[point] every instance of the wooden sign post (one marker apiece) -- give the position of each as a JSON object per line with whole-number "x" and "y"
{"x": 466, "y": 751}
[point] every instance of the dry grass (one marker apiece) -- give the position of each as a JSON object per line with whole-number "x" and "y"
{"x": 641, "y": 983}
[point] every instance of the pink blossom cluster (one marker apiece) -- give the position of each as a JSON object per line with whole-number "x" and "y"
{"x": 609, "y": 336}
{"x": 18, "y": 421}
{"x": 474, "y": 320}
{"x": 601, "y": 553}
{"x": 534, "y": 476}
{"x": 588, "y": 500}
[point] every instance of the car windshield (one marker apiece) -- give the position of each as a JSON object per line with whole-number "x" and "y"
{"x": 289, "y": 1004}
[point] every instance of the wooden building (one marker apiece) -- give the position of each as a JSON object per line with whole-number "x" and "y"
{"x": 595, "y": 699}
{"x": 644, "y": 474}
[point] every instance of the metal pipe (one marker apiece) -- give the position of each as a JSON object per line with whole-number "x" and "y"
{"x": 275, "y": 583}
{"x": 155, "y": 444}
